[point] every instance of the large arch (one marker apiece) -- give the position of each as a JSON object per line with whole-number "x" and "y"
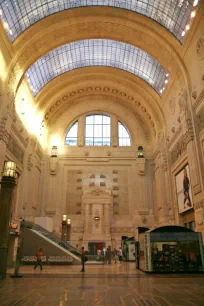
{"x": 135, "y": 30}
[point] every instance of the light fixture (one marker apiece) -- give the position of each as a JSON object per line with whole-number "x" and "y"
{"x": 9, "y": 170}
{"x": 183, "y": 33}
{"x": 193, "y": 13}
{"x": 187, "y": 27}
{"x": 64, "y": 218}
{"x": 96, "y": 218}
{"x": 54, "y": 151}
{"x": 5, "y": 25}
{"x": 195, "y": 2}
{"x": 166, "y": 81}
{"x": 140, "y": 152}
{"x": 68, "y": 221}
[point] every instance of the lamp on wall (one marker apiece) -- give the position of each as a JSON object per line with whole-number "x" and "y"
{"x": 9, "y": 170}
{"x": 54, "y": 151}
{"x": 68, "y": 221}
{"x": 140, "y": 152}
{"x": 64, "y": 218}
{"x": 96, "y": 218}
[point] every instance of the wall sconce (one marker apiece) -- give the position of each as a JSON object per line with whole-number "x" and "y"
{"x": 64, "y": 218}
{"x": 54, "y": 151}
{"x": 9, "y": 170}
{"x": 68, "y": 221}
{"x": 140, "y": 152}
{"x": 96, "y": 218}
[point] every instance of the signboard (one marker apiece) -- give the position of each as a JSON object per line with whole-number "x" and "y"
{"x": 183, "y": 189}
{"x": 165, "y": 237}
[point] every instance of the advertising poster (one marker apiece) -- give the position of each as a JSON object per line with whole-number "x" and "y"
{"x": 183, "y": 189}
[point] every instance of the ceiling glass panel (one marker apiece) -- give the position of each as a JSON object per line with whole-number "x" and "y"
{"x": 96, "y": 52}
{"x": 174, "y": 15}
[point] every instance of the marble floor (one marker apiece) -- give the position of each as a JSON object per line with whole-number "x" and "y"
{"x": 115, "y": 285}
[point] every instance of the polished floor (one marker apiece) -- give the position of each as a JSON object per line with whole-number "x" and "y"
{"x": 110, "y": 285}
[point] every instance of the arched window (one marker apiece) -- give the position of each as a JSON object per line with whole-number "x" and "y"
{"x": 71, "y": 138}
{"x": 123, "y": 135}
{"x": 98, "y": 130}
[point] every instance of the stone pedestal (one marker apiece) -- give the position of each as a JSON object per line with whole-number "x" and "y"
{"x": 97, "y": 203}
{"x": 7, "y": 186}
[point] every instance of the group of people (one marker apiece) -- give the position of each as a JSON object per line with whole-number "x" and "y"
{"x": 108, "y": 255}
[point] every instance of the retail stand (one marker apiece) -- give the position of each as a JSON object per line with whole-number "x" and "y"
{"x": 171, "y": 249}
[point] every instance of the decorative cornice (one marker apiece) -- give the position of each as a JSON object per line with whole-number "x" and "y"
{"x": 181, "y": 146}
{"x": 105, "y": 90}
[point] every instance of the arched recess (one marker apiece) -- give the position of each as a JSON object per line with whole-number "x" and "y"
{"x": 68, "y": 26}
{"x": 135, "y": 93}
{"x": 61, "y": 121}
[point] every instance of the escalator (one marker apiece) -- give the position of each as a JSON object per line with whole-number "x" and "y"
{"x": 52, "y": 239}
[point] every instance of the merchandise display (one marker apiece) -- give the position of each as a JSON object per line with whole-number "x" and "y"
{"x": 170, "y": 249}
{"x": 178, "y": 257}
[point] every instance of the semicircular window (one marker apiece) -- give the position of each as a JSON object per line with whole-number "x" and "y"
{"x": 19, "y": 15}
{"x": 98, "y": 130}
{"x": 71, "y": 137}
{"x": 123, "y": 135}
{"x": 97, "y": 52}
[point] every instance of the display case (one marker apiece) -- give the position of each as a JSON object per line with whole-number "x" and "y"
{"x": 171, "y": 249}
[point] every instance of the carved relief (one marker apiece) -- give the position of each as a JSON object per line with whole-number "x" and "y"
{"x": 102, "y": 176}
{"x": 92, "y": 184}
{"x": 200, "y": 47}
{"x": 29, "y": 163}
{"x": 102, "y": 184}
{"x": 172, "y": 106}
{"x": 115, "y": 171}
{"x": 183, "y": 100}
{"x": 15, "y": 150}
{"x": 200, "y": 118}
{"x": 92, "y": 176}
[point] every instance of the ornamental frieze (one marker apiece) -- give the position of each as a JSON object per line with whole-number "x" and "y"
{"x": 122, "y": 229}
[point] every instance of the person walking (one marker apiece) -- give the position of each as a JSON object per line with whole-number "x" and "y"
{"x": 39, "y": 259}
{"x": 115, "y": 255}
{"x": 120, "y": 254}
{"x": 83, "y": 259}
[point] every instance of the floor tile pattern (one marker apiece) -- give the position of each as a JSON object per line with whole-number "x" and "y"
{"x": 115, "y": 285}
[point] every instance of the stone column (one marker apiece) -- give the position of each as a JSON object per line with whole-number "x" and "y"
{"x": 7, "y": 186}
{"x": 81, "y": 131}
{"x": 114, "y": 131}
{"x": 106, "y": 219}
{"x": 86, "y": 218}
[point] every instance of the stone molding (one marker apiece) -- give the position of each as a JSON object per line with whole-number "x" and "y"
{"x": 4, "y": 135}
{"x": 14, "y": 148}
{"x": 181, "y": 146}
{"x": 105, "y": 90}
{"x": 199, "y": 205}
{"x": 199, "y": 100}
{"x": 122, "y": 229}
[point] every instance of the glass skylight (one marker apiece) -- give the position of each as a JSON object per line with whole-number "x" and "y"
{"x": 96, "y": 52}
{"x": 18, "y": 15}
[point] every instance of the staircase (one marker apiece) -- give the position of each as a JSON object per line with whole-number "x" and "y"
{"x": 37, "y": 237}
